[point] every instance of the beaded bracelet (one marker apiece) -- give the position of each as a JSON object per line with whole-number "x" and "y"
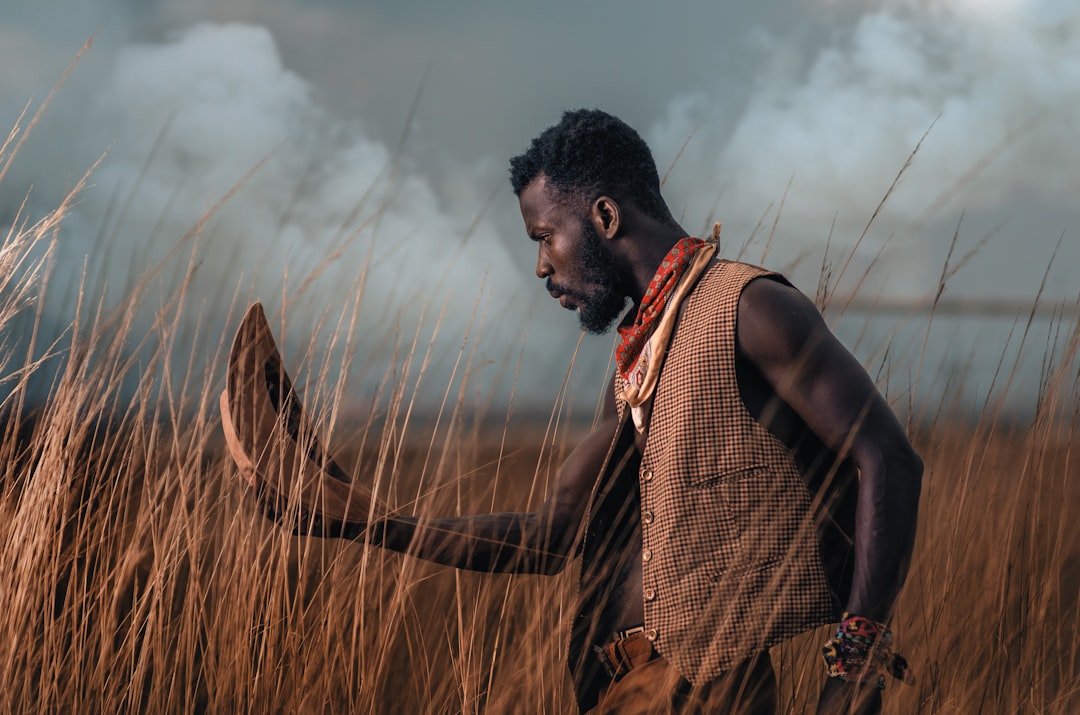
{"x": 862, "y": 650}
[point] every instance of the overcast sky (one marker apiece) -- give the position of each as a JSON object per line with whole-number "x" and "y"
{"x": 815, "y": 103}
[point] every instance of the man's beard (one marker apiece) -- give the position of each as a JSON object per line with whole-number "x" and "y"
{"x": 604, "y": 302}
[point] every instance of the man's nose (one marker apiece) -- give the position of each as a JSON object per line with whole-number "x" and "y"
{"x": 543, "y": 266}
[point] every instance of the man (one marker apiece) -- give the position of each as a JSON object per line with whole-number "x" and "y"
{"x": 748, "y": 482}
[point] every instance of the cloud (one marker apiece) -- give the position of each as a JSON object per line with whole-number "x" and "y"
{"x": 832, "y": 99}
{"x": 316, "y": 212}
{"x": 998, "y": 81}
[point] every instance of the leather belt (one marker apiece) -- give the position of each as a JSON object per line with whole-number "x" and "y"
{"x": 628, "y": 650}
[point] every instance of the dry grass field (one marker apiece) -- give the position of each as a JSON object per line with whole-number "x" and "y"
{"x": 139, "y": 576}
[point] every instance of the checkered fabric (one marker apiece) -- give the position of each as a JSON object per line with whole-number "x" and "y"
{"x": 730, "y": 552}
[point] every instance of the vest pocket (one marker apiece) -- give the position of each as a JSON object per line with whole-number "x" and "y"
{"x": 747, "y": 498}
{"x": 736, "y": 572}
{"x": 725, "y": 476}
{"x": 716, "y": 504}
{"x": 765, "y": 512}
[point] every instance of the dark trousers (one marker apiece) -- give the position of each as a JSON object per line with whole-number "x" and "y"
{"x": 655, "y": 688}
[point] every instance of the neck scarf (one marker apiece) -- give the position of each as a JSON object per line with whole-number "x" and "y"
{"x": 653, "y": 302}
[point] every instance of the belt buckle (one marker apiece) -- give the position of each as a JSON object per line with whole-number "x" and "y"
{"x": 620, "y": 635}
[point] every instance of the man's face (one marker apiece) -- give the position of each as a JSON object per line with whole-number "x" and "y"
{"x": 573, "y": 258}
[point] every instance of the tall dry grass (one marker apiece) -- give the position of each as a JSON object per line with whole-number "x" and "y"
{"x": 138, "y": 575}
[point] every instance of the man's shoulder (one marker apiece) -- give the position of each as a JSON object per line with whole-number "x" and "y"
{"x": 775, "y": 320}
{"x": 713, "y": 307}
{"x": 732, "y": 293}
{"x": 727, "y": 279}
{"x": 732, "y": 271}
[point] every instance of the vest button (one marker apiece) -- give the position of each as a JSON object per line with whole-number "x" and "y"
{"x": 650, "y": 594}
{"x": 647, "y": 517}
{"x": 646, "y": 554}
{"x": 647, "y": 475}
{"x": 651, "y": 634}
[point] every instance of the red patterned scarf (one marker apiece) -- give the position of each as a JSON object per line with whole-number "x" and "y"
{"x": 653, "y": 302}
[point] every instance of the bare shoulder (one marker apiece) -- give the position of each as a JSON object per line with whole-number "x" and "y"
{"x": 777, "y": 322}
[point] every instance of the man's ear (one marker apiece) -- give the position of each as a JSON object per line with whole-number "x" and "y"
{"x": 606, "y": 217}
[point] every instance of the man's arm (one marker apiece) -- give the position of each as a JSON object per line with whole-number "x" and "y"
{"x": 510, "y": 542}
{"x": 783, "y": 335}
{"x": 781, "y": 332}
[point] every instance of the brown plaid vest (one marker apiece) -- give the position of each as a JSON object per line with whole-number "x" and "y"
{"x": 730, "y": 553}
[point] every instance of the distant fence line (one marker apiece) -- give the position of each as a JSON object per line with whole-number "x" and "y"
{"x": 976, "y": 307}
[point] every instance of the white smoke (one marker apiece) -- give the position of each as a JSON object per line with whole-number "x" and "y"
{"x": 186, "y": 115}
{"x": 315, "y": 211}
{"x": 998, "y": 82}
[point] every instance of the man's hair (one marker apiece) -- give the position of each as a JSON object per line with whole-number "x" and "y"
{"x": 589, "y": 153}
